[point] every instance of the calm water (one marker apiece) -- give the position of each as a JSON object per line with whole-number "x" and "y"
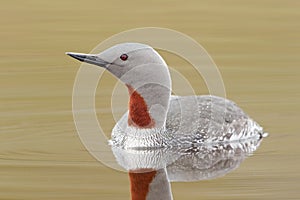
{"x": 254, "y": 44}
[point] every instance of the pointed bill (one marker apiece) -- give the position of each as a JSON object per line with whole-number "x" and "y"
{"x": 89, "y": 58}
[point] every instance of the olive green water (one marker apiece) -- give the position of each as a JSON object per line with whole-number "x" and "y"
{"x": 254, "y": 43}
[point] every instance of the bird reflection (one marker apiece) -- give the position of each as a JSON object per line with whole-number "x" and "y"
{"x": 151, "y": 170}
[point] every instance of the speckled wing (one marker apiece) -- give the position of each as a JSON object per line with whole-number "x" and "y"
{"x": 198, "y": 119}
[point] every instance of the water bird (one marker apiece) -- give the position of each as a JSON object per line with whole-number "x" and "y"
{"x": 162, "y": 137}
{"x": 157, "y": 119}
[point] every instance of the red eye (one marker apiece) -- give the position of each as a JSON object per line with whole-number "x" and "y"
{"x": 123, "y": 57}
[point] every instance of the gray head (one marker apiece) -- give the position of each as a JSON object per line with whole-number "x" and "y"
{"x": 145, "y": 74}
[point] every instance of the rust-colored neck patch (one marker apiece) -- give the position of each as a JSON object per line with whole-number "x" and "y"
{"x": 139, "y": 184}
{"x": 138, "y": 111}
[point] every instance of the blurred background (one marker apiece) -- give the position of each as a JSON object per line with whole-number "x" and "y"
{"x": 255, "y": 45}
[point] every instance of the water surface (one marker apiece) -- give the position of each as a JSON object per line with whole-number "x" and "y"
{"x": 254, "y": 44}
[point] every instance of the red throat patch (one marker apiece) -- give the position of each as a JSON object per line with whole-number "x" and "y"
{"x": 138, "y": 111}
{"x": 139, "y": 184}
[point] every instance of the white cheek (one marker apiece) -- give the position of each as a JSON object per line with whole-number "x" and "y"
{"x": 143, "y": 74}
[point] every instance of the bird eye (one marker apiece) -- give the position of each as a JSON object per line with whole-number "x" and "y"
{"x": 124, "y": 57}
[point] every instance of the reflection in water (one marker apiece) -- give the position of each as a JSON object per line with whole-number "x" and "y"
{"x": 152, "y": 170}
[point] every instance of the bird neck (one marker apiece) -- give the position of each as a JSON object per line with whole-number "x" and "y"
{"x": 148, "y": 106}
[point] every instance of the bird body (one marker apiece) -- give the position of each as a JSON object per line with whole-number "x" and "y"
{"x": 191, "y": 120}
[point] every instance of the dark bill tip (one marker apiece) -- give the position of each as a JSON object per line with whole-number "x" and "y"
{"x": 89, "y": 58}
{"x": 79, "y": 56}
